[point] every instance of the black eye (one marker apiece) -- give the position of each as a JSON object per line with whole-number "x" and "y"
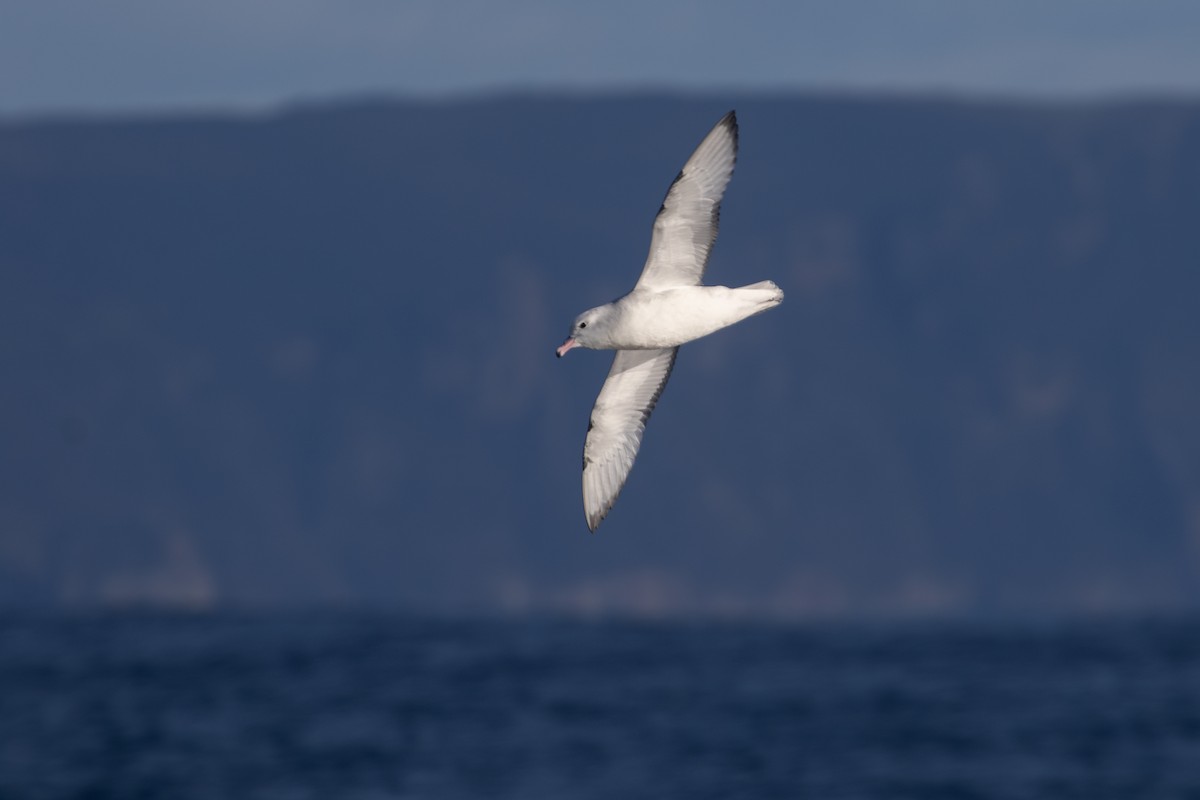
{"x": 583, "y": 324}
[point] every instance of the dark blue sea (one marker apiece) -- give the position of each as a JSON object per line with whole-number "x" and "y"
{"x": 377, "y": 706}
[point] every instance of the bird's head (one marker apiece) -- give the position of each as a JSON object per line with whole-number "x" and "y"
{"x": 590, "y": 329}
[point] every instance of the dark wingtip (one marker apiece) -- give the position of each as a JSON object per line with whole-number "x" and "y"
{"x": 593, "y": 521}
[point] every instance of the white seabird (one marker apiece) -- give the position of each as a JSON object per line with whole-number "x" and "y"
{"x": 666, "y": 308}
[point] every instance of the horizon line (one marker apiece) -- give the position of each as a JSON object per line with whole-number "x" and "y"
{"x": 283, "y": 106}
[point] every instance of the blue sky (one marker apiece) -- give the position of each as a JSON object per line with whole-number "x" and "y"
{"x": 125, "y": 55}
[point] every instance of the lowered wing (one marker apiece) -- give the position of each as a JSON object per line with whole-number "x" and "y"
{"x": 618, "y": 419}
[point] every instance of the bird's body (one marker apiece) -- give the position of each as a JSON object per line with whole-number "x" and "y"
{"x": 667, "y": 308}
{"x": 646, "y": 319}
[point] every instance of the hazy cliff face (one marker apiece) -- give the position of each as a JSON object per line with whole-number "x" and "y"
{"x": 285, "y": 360}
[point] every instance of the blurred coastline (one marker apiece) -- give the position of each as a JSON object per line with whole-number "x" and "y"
{"x": 302, "y": 359}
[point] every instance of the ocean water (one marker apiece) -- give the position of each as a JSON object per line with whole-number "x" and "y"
{"x": 362, "y": 706}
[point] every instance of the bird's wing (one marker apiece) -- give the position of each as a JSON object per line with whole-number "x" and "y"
{"x": 686, "y": 225}
{"x": 614, "y": 434}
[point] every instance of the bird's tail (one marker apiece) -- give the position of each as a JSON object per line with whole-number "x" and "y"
{"x": 770, "y": 294}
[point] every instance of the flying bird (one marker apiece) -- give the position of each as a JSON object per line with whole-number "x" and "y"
{"x": 667, "y": 308}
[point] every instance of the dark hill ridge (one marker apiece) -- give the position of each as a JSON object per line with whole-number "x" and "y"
{"x": 308, "y": 358}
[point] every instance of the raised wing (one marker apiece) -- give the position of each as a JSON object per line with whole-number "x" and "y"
{"x": 614, "y": 434}
{"x": 686, "y": 225}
